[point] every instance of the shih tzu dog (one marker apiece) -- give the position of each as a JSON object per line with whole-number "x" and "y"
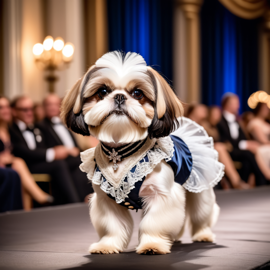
{"x": 149, "y": 157}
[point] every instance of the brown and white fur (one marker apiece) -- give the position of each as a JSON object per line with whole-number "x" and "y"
{"x": 122, "y": 100}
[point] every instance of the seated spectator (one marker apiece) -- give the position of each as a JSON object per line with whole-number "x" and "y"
{"x": 29, "y": 144}
{"x": 39, "y": 113}
{"x": 30, "y": 190}
{"x": 259, "y": 129}
{"x": 246, "y": 117}
{"x": 199, "y": 114}
{"x": 10, "y": 186}
{"x": 10, "y": 190}
{"x": 56, "y": 134}
{"x": 242, "y": 150}
{"x": 214, "y": 116}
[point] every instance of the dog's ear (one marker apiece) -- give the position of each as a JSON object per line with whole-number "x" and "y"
{"x": 71, "y": 111}
{"x": 167, "y": 107}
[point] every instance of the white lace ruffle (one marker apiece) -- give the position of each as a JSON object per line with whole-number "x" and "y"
{"x": 206, "y": 170}
{"x": 88, "y": 164}
{"x": 163, "y": 149}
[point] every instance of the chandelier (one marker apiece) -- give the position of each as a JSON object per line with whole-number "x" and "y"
{"x": 53, "y": 55}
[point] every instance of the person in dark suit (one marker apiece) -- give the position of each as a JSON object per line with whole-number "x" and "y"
{"x": 239, "y": 147}
{"x": 56, "y": 134}
{"x": 29, "y": 144}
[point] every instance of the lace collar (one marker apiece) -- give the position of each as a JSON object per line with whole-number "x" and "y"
{"x": 118, "y": 154}
{"x": 133, "y": 169}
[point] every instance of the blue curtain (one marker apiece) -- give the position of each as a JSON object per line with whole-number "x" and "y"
{"x": 145, "y": 27}
{"x": 229, "y": 47}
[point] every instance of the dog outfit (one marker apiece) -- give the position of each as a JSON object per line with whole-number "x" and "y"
{"x": 120, "y": 172}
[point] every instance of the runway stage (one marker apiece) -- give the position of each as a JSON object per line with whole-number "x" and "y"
{"x": 59, "y": 237}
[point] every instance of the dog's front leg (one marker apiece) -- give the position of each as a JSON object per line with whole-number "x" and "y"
{"x": 113, "y": 223}
{"x": 164, "y": 211}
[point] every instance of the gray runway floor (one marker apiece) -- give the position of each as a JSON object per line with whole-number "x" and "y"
{"x": 59, "y": 237}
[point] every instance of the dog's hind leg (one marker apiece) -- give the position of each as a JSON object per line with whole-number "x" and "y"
{"x": 113, "y": 223}
{"x": 164, "y": 211}
{"x": 203, "y": 213}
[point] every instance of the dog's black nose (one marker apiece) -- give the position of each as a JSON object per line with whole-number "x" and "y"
{"x": 119, "y": 99}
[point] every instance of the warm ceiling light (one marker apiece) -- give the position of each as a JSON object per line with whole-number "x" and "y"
{"x": 58, "y": 44}
{"x": 255, "y": 96}
{"x": 68, "y": 50}
{"x": 263, "y": 97}
{"x": 252, "y": 103}
{"x": 38, "y": 49}
{"x": 48, "y": 43}
{"x": 259, "y": 96}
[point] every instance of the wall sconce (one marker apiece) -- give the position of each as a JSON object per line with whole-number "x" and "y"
{"x": 53, "y": 55}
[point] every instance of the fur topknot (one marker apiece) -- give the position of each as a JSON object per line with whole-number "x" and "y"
{"x": 122, "y": 63}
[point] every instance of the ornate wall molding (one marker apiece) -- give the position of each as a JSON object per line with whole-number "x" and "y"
{"x": 246, "y": 9}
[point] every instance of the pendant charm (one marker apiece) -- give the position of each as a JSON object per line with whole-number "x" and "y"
{"x": 115, "y": 166}
{"x": 115, "y": 157}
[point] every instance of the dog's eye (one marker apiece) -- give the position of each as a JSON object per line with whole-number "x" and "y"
{"x": 137, "y": 94}
{"x": 102, "y": 92}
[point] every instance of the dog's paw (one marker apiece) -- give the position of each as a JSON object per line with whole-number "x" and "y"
{"x": 204, "y": 235}
{"x": 100, "y": 248}
{"x": 152, "y": 249}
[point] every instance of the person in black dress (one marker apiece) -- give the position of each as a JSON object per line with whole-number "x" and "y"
{"x": 10, "y": 186}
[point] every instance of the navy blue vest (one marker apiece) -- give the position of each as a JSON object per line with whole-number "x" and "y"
{"x": 181, "y": 164}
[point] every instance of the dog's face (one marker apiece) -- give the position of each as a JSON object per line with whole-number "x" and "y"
{"x": 120, "y": 99}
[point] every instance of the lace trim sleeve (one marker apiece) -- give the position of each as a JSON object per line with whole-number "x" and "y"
{"x": 88, "y": 164}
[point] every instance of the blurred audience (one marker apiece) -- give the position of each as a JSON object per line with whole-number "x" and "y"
{"x": 214, "y": 116}
{"x": 258, "y": 127}
{"x": 55, "y": 135}
{"x": 29, "y": 144}
{"x": 240, "y": 149}
{"x": 259, "y": 130}
{"x": 29, "y": 187}
{"x": 198, "y": 113}
{"x": 39, "y": 113}
{"x": 246, "y": 117}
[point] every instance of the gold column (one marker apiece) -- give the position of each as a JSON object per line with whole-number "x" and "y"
{"x": 2, "y": 65}
{"x": 32, "y": 27}
{"x": 96, "y": 32}
{"x": 11, "y": 57}
{"x": 191, "y": 9}
{"x": 265, "y": 53}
